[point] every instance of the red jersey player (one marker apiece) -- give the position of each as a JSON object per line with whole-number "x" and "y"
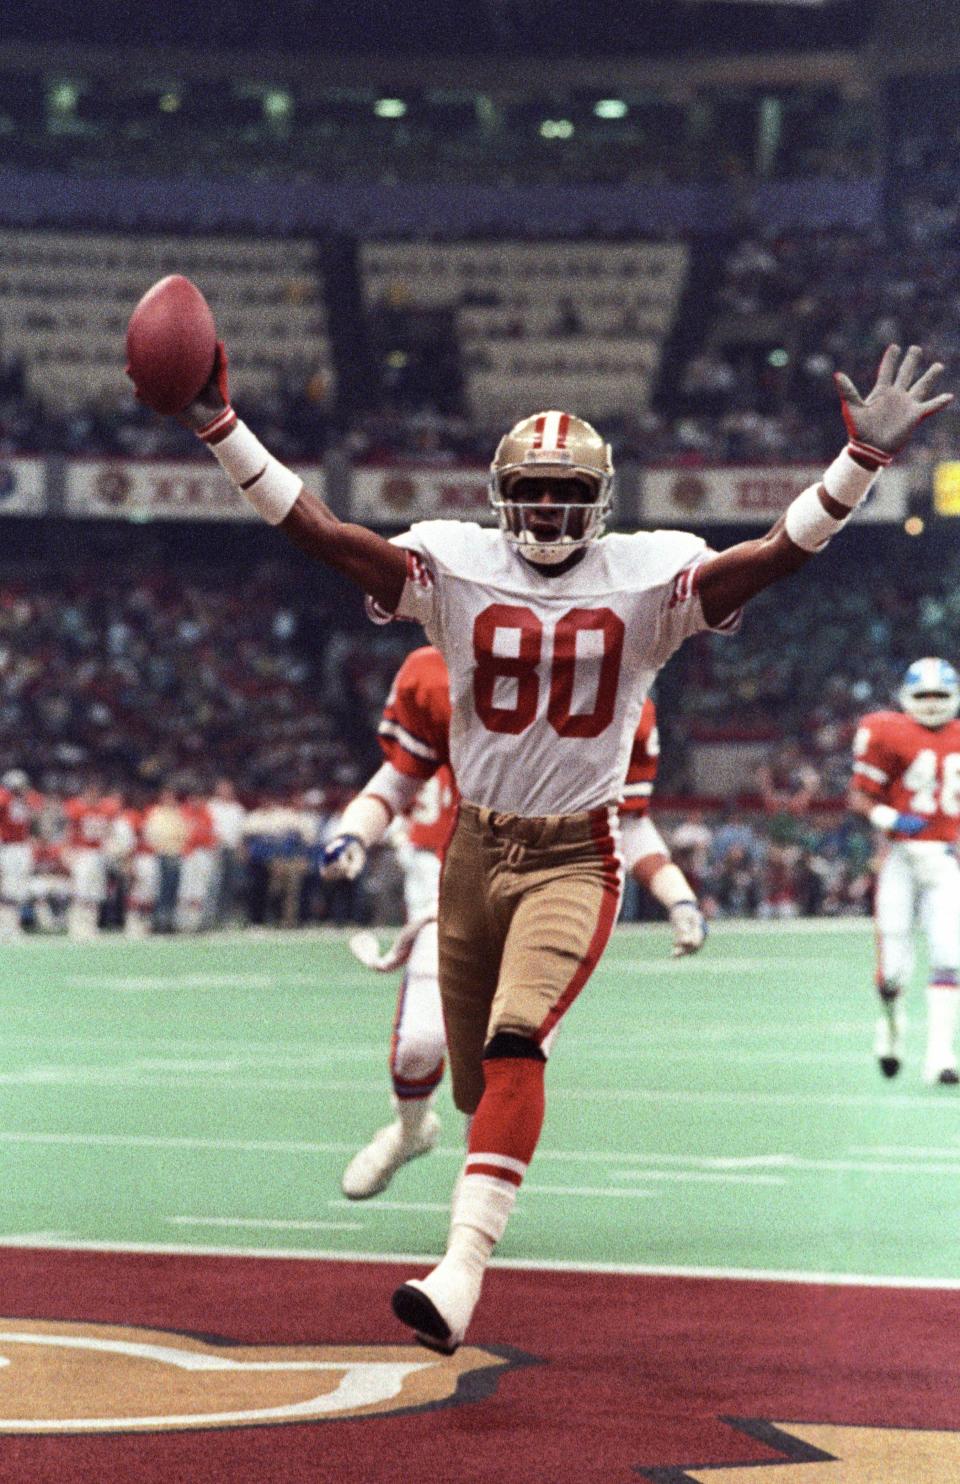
{"x": 645, "y": 853}
{"x": 19, "y": 808}
{"x": 91, "y": 817}
{"x": 906, "y": 782}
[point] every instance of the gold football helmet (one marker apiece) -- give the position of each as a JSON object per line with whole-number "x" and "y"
{"x": 551, "y": 447}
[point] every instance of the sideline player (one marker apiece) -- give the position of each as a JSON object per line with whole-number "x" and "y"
{"x": 91, "y": 817}
{"x": 20, "y": 806}
{"x": 906, "y": 782}
{"x": 552, "y": 638}
{"x": 416, "y": 780}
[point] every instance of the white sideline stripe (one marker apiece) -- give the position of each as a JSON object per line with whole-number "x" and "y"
{"x": 266, "y": 1222}
{"x": 521, "y": 1264}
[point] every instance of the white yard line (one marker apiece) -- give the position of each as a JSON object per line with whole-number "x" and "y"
{"x": 546, "y": 1265}
{"x": 266, "y": 1223}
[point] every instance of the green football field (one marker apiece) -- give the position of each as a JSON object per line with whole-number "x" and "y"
{"x": 719, "y": 1114}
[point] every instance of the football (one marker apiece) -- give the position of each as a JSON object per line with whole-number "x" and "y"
{"x": 171, "y": 344}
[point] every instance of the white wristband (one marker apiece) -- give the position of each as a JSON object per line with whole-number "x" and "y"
{"x": 270, "y": 487}
{"x": 846, "y": 481}
{"x": 808, "y": 525}
{"x": 882, "y": 816}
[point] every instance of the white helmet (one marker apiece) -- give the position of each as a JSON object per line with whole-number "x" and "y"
{"x": 16, "y": 780}
{"x": 551, "y": 445}
{"x": 930, "y": 692}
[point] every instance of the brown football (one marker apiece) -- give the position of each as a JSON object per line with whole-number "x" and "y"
{"x": 171, "y": 344}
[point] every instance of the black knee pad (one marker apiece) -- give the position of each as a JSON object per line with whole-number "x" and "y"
{"x": 888, "y": 992}
{"x": 508, "y": 1043}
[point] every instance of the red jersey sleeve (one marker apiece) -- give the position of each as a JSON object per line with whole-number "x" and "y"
{"x": 875, "y": 765}
{"x": 642, "y": 768}
{"x": 414, "y": 731}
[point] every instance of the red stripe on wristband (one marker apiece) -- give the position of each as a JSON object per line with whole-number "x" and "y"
{"x": 868, "y": 457}
{"x": 218, "y": 427}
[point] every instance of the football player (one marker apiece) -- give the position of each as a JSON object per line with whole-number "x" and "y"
{"x": 906, "y": 782}
{"x": 645, "y": 853}
{"x": 19, "y": 807}
{"x": 416, "y": 779}
{"x": 552, "y": 637}
{"x": 90, "y": 817}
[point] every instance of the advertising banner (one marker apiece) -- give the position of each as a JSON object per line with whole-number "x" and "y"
{"x": 699, "y": 496}
{"x": 396, "y": 495}
{"x": 121, "y": 489}
{"x": 22, "y": 486}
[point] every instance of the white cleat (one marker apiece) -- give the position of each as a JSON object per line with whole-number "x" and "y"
{"x": 439, "y": 1307}
{"x": 371, "y": 1170}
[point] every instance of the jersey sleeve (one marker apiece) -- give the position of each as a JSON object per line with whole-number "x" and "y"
{"x": 413, "y": 731}
{"x": 642, "y": 768}
{"x": 678, "y": 558}
{"x": 418, "y": 600}
{"x": 873, "y": 764}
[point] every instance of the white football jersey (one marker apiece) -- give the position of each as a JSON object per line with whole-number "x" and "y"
{"x": 548, "y": 674}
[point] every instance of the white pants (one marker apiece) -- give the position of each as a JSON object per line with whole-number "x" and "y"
{"x": 16, "y": 868}
{"x": 196, "y": 884}
{"x": 418, "y": 1046}
{"x": 919, "y": 882}
{"x": 88, "y": 875}
{"x": 144, "y": 885}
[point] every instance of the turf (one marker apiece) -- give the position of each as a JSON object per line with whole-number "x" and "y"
{"x": 718, "y": 1114}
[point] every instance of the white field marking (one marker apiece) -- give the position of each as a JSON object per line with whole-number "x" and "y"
{"x": 280, "y": 980}
{"x": 904, "y": 1151}
{"x": 130, "y": 1078}
{"x": 159, "y": 1141}
{"x": 707, "y": 1168}
{"x": 661, "y": 1053}
{"x": 443, "y": 1207}
{"x": 677, "y": 966}
{"x": 588, "y": 1095}
{"x": 731, "y": 926}
{"x": 96, "y": 1077}
{"x": 716, "y": 1030}
{"x": 266, "y": 1223}
{"x": 241, "y": 1053}
{"x": 949, "y": 1284}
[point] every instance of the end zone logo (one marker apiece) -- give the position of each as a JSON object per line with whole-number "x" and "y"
{"x": 60, "y": 1377}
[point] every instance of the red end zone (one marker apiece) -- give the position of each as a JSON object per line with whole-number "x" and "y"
{"x": 568, "y": 1377}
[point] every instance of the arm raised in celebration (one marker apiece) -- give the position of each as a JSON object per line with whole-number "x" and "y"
{"x": 878, "y": 426}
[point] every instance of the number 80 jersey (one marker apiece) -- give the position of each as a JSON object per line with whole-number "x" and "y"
{"x": 548, "y": 673}
{"x": 913, "y": 768}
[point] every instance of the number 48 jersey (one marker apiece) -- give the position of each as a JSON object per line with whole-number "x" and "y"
{"x": 548, "y": 673}
{"x": 913, "y": 768}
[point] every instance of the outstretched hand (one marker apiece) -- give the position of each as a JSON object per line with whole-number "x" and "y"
{"x": 885, "y": 419}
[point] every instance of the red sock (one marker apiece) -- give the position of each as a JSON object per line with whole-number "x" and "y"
{"x": 507, "y": 1123}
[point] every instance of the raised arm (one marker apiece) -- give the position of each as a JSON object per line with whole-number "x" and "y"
{"x": 281, "y": 498}
{"x": 879, "y": 425}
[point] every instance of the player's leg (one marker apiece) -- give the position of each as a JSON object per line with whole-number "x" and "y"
{"x": 416, "y": 1068}
{"x": 16, "y": 864}
{"x": 142, "y": 895}
{"x": 940, "y": 913}
{"x": 89, "y": 888}
{"x": 565, "y": 893}
{"x": 894, "y": 908}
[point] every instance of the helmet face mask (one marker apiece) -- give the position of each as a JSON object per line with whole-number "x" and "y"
{"x": 930, "y": 692}
{"x": 551, "y": 486}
